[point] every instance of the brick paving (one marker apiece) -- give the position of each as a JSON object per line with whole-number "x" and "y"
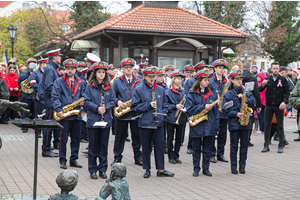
{"x": 268, "y": 176}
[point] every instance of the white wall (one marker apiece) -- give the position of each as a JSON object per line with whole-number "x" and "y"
{"x": 13, "y": 6}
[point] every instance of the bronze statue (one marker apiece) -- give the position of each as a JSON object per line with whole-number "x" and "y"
{"x": 16, "y": 105}
{"x": 67, "y": 181}
{"x": 115, "y": 185}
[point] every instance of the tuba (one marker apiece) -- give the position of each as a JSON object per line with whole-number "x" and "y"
{"x": 25, "y": 86}
{"x": 118, "y": 112}
{"x": 68, "y": 110}
{"x": 201, "y": 116}
{"x": 245, "y": 110}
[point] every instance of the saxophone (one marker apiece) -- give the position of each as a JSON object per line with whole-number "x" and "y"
{"x": 25, "y": 86}
{"x": 223, "y": 93}
{"x": 68, "y": 110}
{"x": 118, "y": 112}
{"x": 245, "y": 110}
{"x": 201, "y": 116}
{"x": 112, "y": 80}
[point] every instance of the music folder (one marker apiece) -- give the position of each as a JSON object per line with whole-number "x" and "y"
{"x": 101, "y": 123}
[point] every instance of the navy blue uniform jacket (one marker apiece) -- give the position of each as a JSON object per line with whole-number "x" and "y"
{"x": 189, "y": 83}
{"x": 195, "y": 103}
{"x": 35, "y": 79}
{"x": 216, "y": 86}
{"x": 174, "y": 96}
{"x": 24, "y": 75}
{"x": 93, "y": 100}
{"x": 121, "y": 89}
{"x": 49, "y": 76}
{"x": 141, "y": 103}
{"x": 163, "y": 85}
{"x": 233, "y": 120}
{"x": 62, "y": 95}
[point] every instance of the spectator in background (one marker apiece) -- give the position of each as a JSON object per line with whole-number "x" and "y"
{"x": 254, "y": 69}
{"x": 283, "y": 72}
{"x": 261, "y": 116}
{"x": 290, "y": 76}
{"x": 269, "y": 72}
{"x": 235, "y": 67}
{"x": 295, "y": 102}
{"x": 4, "y": 94}
{"x": 13, "y": 88}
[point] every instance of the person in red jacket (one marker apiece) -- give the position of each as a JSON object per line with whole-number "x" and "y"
{"x": 14, "y": 89}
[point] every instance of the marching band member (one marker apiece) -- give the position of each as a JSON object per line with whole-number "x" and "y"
{"x": 51, "y": 73}
{"x": 141, "y": 67}
{"x": 90, "y": 60}
{"x": 159, "y": 78}
{"x": 174, "y": 96}
{"x": 237, "y": 132}
{"x": 111, "y": 71}
{"x": 168, "y": 70}
{"x": 65, "y": 91}
{"x": 124, "y": 87}
{"x": 26, "y": 98}
{"x": 218, "y": 83}
{"x": 199, "y": 99}
{"x": 83, "y": 131}
{"x": 81, "y": 66}
{"x": 99, "y": 99}
{"x": 147, "y": 99}
{"x": 187, "y": 86}
{"x": 35, "y": 79}
{"x": 188, "y": 72}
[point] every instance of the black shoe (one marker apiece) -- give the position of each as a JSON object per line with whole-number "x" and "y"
{"x": 85, "y": 152}
{"x": 3, "y": 122}
{"x": 56, "y": 146}
{"x": 75, "y": 164}
{"x": 213, "y": 159}
{"x": 296, "y": 131}
{"x": 276, "y": 138}
{"x": 115, "y": 161}
{"x": 39, "y": 136}
{"x": 102, "y": 175}
{"x": 222, "y": 158}
{"x": 93, "y": 175}
{"x": 83, "y": 141}
{"x": 189, "y": 151}
{"x": 206, "y": 172}
{"x": 52, "y": 148}
{"x": 234, "y": 171}
{"x": 265, "y": 149}
{"x": 297, "y": 139}
{"x": 285, "y": 143}
{"x": 250, "y": 144}
{"x": 147, "y": 173}
{"x": 164, "y": 173}
{"x": 242, "y": 170}
{"x": 127, "y": 140}
{"x": 138, "y": 162}
{"x": 87, "y": 147}
{"x": 280, "y": 148}
{"x": 178, "y": 161}
{"x": 196, "y": 173}
{"x": 63, "y": 165}
{"x": 25, "y": 130}
{"x": 49, "y": 154}
{"x": 172, "y": 160}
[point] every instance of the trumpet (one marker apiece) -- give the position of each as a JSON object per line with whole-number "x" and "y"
{"x": 179, "y": 112}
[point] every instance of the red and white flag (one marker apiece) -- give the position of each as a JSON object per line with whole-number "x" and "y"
{"x": 147, "y": 60}
{"x": 142, "y": 56}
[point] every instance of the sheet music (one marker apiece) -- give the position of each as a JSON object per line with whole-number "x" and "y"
{"x": 228, "y": 104}
{"x": 183, "y": 110}
{"x": 101, "y": 123}
{"x": 249, "y": 86}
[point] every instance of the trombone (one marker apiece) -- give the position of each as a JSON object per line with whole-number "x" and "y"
{"x": 179, "y": 112}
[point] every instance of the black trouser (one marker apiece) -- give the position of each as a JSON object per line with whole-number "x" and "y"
{"x": 12, "y": 113}
{"x": 173, "y": 152}
{"x": 269, "y": 111}
{"x": 121, "y": 135}
{"x": 252, "y": 122}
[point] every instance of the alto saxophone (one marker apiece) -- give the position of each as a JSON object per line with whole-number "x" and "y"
{"x": 68, "y": 110}
{"x": 245, "y": 110}
{"x": 201, "y": 116}
{"x": 118, "y": 112}
{"x": 223, "y": 93}
{"x": 25, "y": 86}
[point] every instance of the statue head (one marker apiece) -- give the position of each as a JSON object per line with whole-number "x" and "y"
{"x": 118, "y": 170}
{"x": 67, "y": 180}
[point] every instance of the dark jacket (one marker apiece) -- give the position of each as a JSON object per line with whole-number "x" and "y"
{"x": 188, "y": 84}
{"x": 292, "y": 78}
{"x": 195, "y": 103}
{"x": 291, "y": 84}
{"x": 140, "y": 103}
{"x": 35, "y": 79}
{"x": 121, "y": 89}
{"x": 163, "y": 85}
{"x": 62, "y": 95}
{"x": 49, "y": 76}
{"x": 93, "y": 101}
{"x": 4, "y": 93}
{"x": 174, "y": 96}
{"x": 277, "y": 91}
{"x": 231, "y": 112}
{"x": 216, "y": 86}
{"x": 249, "y": 77}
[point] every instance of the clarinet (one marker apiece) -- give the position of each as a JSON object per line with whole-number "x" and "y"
{"x": 154, "y": 100}
{"x": 102, "y": 102}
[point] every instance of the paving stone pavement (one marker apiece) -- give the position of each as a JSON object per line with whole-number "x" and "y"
{"x": 268, "y": 175}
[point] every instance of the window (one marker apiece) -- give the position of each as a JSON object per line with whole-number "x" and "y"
{"x": 116, "y": 55}
{"x": 177, "y": 62}
{"x": 210, "y": 60}
{"x": 25, "y": 6}
{"x": 106, "y": 55}
{"x": 262, "y": 65}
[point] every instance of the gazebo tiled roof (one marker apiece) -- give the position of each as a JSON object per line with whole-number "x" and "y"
{"x": 143, "y": 18}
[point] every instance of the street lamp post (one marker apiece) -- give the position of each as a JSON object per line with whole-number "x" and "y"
{"x": 12, "y": 34}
